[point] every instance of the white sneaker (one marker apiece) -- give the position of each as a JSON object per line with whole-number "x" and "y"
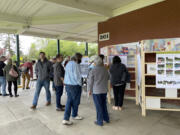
{"x": 78, "y": 118}
{"x": 66, "y": 122}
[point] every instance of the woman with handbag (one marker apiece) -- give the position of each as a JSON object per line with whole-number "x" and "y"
{"x": 11, "y": 72}
{"x": 119, "y": 76}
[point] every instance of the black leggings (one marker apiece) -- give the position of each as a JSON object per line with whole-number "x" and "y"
{"x": 119, "y": 95}
{"x": 10, "y": 87}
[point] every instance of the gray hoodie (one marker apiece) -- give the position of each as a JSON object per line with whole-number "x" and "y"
{"x": 43, "y": 69}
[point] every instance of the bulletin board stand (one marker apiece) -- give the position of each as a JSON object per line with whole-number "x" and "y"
{"x": 149, "y": 90}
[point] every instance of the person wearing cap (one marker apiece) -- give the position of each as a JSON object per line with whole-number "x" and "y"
{"x": 73, "y": 83}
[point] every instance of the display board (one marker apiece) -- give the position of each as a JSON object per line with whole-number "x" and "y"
{"x": 160, "y": 61}
{"x": 168, "y": 70}
{"x": 84, "y": 67}
{"x": 127, "y": 53}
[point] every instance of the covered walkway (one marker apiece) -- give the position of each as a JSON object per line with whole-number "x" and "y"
{"x": 17, "y": 119}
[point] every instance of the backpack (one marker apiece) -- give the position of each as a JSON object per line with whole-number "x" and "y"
{"x": 13, "y": 73}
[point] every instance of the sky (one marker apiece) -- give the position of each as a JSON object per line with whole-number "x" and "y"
{"x": 25, "y": 42}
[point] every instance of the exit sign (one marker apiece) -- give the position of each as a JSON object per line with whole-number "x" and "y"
{"x": 104, "y": 36}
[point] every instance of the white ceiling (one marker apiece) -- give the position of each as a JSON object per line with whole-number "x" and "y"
{"x": 62, "y": 19}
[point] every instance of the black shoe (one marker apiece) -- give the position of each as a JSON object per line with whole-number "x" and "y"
{"x": 27, "y": 88}
{"x": 10, "y": 95}
{"x": 0, "y": 94}
{"x": 63, "y": 106}
{"x": 23, "y": 88}
{"x": 98, "y": 124}
{"x": 16, "y": 95}
{"x": 59, "y": 109}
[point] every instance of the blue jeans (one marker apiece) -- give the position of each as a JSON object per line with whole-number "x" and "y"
{"x": 3, "y": 85}
{"x": 73, "y": 100}
{"x": 59, "y": 92}
{"x": 101, "y": 108}
{"x": 39, "y": 85}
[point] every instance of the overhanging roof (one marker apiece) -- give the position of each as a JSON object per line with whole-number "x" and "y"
{"x": 63, "y": 19}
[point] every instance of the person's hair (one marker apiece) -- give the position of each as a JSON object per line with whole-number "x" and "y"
{"x": 101, "y": 56}
{"x": 10, "y": 62}
{"x": 42, "y": 53}
{"x": 73, "y": 58}
{"x": 58, "y": 56}
{"x": 2, "y": 57}
{"x": 78, "y": 56}
{"x": 116, "y": 60}
{"x": 33, "y": 61}
{"x": 98, "y": 61}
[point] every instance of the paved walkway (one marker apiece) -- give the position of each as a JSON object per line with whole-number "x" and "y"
{"x": 17, "y": 119}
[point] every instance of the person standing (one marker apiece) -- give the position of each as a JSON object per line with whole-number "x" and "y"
{"x": 2, "y": 76}
{"x": 119, "y": 77}
{"x": 25, "y": 69}
{"x": 98, "y": 86}
{"x": 73, "y": 83}
{"x": 58, "y": 81}
{"x": 12, "y": 74}
{"x": 43, "y": 70}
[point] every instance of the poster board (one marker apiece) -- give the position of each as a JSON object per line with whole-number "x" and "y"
{"x": 84, "y": 66}
{"x": 168, "y": 70}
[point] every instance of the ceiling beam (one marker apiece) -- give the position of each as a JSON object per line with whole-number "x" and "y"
{"x": 77, "y": 30}
{"x": 22, "y": 30}
{"x": 8, "y": 31}
{"x": 66, "y": 19}
{"x": 13, "y": 19}
{"x": 134, "y": 6}
{"x": 83, "y": 6}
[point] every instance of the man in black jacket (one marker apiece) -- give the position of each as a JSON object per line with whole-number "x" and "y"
{"x": 2, "y": 76}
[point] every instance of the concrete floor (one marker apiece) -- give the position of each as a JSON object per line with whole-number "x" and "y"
{"x": 17, "y": 119}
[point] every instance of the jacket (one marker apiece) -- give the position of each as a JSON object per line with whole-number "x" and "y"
{"x": 29, "y": 66}
{"x": 58, "y": 74}
{"x": 43, "y": 69}
{"x": 7, "y": 75}
{"x": 2, "y": 65}
{"x": 119, "y": 74}
{"x": 73, "y": 74}
{"x": 98, "y": 80}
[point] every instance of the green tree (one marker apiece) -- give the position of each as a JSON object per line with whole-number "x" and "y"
{"x": 67, "y": 48}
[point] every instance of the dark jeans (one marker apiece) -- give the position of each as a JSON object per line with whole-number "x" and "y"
{"x": 39, "y": 85}
{"x": 101, "y": 108}
{"x": 10, "y": 87}
{"x": 73, "y": 100}
{"x": 119, "y": 95}
{"x": 59, "y": 92}
{"x": 3, "y": 85}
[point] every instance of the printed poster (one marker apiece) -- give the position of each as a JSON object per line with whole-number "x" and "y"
{"x": 168, "y": 71}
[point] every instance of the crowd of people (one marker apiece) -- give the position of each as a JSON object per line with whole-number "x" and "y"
{"x": 66, "y": 73}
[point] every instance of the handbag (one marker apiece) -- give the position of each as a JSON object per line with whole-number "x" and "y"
{"x": 13, "y": 73}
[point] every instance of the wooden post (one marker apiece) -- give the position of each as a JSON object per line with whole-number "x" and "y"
{"x": 143, "y": 80}
{"x": 136, "y": 88}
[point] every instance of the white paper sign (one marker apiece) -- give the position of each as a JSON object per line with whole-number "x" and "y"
{"x": 168, "y": 71}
